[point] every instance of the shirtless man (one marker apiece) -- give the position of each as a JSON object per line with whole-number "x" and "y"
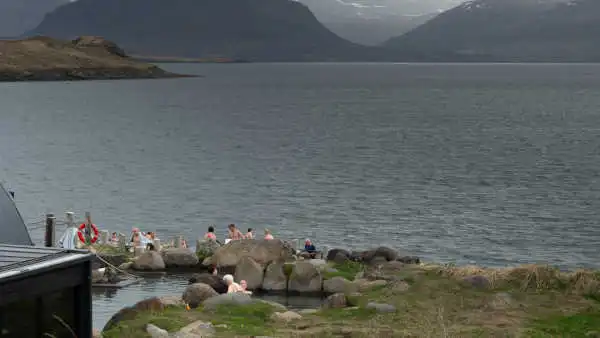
{"x": 234, "y": 233}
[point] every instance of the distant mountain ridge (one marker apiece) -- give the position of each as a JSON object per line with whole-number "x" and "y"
{"x": 510, "y": 30}
{"x": 265, "y": 30}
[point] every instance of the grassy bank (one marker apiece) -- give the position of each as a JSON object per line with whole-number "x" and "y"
{"x": 431, "y": 301}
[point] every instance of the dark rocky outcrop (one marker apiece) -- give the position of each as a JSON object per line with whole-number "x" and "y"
{"x": 250, "y": 271}
{"x": 46, "y": 59}
{"x": 213, "y": 281}
{"x": 197, "y": 293}
{"x": 155, "y": 304}
{"x": 305, "y": 278}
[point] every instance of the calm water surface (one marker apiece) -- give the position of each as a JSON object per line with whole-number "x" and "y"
{"x": 489, "y": 164}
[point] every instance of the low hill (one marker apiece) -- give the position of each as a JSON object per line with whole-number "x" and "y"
{"x": 46, "y": 59}
{"x": 253, "y": 30}
{"x": 510, "y": 30}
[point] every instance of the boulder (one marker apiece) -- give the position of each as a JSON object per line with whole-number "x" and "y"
{"x": 364, "y": 285}
{"x": 381, "y": 308}
{"x": 353, "y": 299}
{"x": 335, "y": 301}
{"x": 195, "y": 330}
{"x": 338, "y": 285}
{"x": 319, "y": 263}
{"x": 155, "y": 304}
{"x": 305, "y": 277}
{"x": 197, "y": 293}
{"x": 262, "y": 252}
{"x": 382, "y": 251}
{"x": 340, "y": 258}
{"x": 156, "y": 332}
{"x": 409, "y": 260}
{"x": 275, "y": 278}
{"x": 384, "y": 271}
{"x": 212, "y": 303}
{"x": 149, "y": 261}
{"x": 98, "y": 276}
{"x": 331, "y": 254}
{"x": 286, "y": 317}
{"x": 251, "y": 272}
{"x": 179, "y": 257}
{"x": 213, "y": 281}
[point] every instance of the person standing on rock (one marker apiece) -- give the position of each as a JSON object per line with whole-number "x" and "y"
{"x": 268, "y": 235}
{"x": 234, "y": 233}
{"x": 210, "y": 234}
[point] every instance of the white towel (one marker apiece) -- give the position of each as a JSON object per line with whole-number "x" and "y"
{"x": 69, "y": 239}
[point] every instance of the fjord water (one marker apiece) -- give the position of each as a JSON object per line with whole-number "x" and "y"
{"x": 490, "y": 164}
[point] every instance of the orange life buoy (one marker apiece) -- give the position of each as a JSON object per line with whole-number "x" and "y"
{"x": 80, "y": 233}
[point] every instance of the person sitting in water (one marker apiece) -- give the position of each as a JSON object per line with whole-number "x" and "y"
{"x": 114, "y": 237}
{"x": 232, "y": 287}
{"x": 210, "y": 234}
{"x": 244, "y": 287}
{"x": 249, "y": 234}
{"x": 268, "y": 235}
{"x": 310, "y": 248}
{"x": 234, "y": 232}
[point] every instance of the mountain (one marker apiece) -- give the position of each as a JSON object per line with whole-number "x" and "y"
{"x": 372, "y": 22}
{"x": 254, "y": 30}
{"x": 509, "y": 30}
{"x": 18, "y": 16}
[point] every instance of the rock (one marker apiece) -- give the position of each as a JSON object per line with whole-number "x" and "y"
{"x": 212, "y": 303}
{"x": 149, "y": 260}
{"x": 335, "y": 301}
{"x": 385, "y": 270}
{"x": 99, "y": 42}
{"x": 364, "y": 285}
{"x": 98, "y": 276}
{"x": 156, "y": 332}
{"x": 338, "y": 285}
{"x": 381, "y": 308}
{"x": 308, "y": 311}
{"x": 305, "y": 255}
{"x": 356, "y": 256}
{"x": 287, "y": 316}
{"x": 278, "y": 307}
{"x": 275, "y": 278}
{"x": 114, "y": 259}
{"x": 197, "y": 293}
{"x": 478, "y": 282}
{"x": 206, "y": 248}
{"x": 409, "y": 260}
{"x": 155, "y": 304}
{"x": 340, "y": 258}
{"x": 196, "y": 329}
{"x": 213, "y": 281}
{"x": 334, "y": 252}
{"x": 179, "y": 257}
{"x": 250, "y": 271}
{"x": 382, "y": 251}
{"x": 320, "y": 263}
{"x": 262, "y": 252}
{"x": 305, "y": 277}
{"x": 126, "y": 266}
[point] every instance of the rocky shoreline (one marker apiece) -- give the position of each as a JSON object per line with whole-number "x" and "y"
{"x": 396, "y": 294}
{"x": 85, "y": 58}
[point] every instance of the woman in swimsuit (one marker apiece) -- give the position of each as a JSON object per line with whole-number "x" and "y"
{"x": 211, "y": 234}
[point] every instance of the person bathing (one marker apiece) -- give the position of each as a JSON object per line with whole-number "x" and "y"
{"x": 244, "y": 286}
{"x": 234, "y": 232}
{"x": 232, "y": 286}
{"x": 268, "y": 235}
{"x": 249, "y": 234}
{"x": 210, "y": 234}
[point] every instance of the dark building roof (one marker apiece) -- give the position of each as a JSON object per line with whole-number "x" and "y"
{"x": 12, "y": 228}
{"x": 20, "y": 260}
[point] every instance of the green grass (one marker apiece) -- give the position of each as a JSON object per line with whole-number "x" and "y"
{"x": 171, "y": 319}
{"x": 346, "y": 270}
{"x": 578, "y": 325}
{"x": 347, "y": 314}
{"x": 247, "y": 320}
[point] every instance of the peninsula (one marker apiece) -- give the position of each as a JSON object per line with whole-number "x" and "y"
{"x": 85, "y": 58}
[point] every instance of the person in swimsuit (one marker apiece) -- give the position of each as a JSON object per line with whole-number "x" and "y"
{"x": 234, "y": 233}
{"x": 249, "y": 234}
{"x": 210, "y": 234}
{"x": 268, "y": 235}
{"x": 244, "y": 286}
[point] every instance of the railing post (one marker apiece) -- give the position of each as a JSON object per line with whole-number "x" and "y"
{"x": 50, "y": 230}
{"x": 88, "y": 228}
